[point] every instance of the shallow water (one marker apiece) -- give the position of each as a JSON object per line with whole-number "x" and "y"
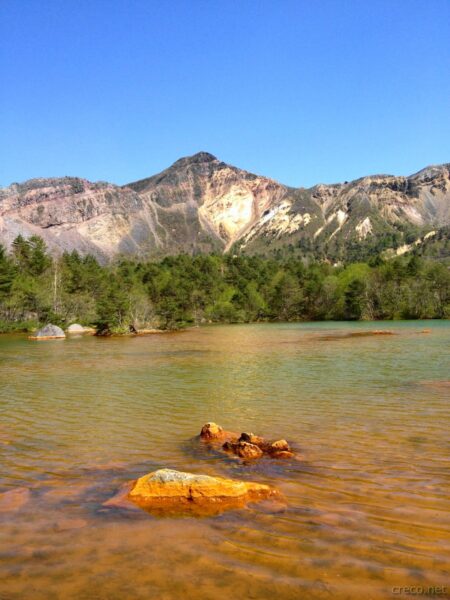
{"x": 368, "y": 508}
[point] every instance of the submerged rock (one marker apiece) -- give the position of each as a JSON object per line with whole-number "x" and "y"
{"x": 175, "y": 491}
{"x": 49, "y": 332}
{"x": 69, "y": 524}
{"x": 14, "y": 499}
{"x": 338, "y": 335}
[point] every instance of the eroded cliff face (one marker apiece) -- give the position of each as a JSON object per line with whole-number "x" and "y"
{"x": 228, "y": 201}
{"x": 352, "y": 212}
{"x": 200, "y": 204}
{"x": 71, "y": 213}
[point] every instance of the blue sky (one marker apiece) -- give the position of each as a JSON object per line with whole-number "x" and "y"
{"x": 303, "y": 91}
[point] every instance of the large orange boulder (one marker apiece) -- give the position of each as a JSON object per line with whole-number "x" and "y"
{"x": 175, "y": 491}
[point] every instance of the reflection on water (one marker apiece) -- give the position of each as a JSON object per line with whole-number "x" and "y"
{"x": 368, "y": 503}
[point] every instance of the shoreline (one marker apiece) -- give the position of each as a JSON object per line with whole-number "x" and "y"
{"x": 364, "y": 324}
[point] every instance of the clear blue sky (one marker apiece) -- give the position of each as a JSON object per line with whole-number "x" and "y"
{"x": 304, "y": 91}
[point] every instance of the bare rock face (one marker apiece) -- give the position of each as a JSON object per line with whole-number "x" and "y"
{"x": 175, "y": 491}
{"x": 49, "y": 332}
{"x": 201, "y": 204}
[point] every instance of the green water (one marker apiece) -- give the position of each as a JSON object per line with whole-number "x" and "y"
{"x": 368, "y": 506}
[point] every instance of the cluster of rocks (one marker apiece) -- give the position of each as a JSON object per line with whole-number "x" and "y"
{"x": 246, "y": 445}
{"x": 166, "y": 492}
{"x": 53, "y": 332}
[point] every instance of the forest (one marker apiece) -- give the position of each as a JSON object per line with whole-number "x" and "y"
{"x": 183, "y": 290}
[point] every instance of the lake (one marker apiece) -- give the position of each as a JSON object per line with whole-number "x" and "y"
{"x": 367, "y": 505}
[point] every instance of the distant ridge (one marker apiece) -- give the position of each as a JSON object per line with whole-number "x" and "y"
{"x": 200, "y": 204}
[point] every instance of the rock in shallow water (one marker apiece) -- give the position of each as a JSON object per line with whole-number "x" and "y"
{"x": 49, "y": 332}
{"x": 171, "y": 490}
{"x": 279, "y": 446}
{"x": 212, "y": 432}
{"x": 251, "y": 438}
{"x": 248, "y": 446}
{"x": 244, "y": 450}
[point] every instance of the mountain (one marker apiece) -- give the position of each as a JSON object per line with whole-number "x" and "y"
{"x": 201, "y": 204}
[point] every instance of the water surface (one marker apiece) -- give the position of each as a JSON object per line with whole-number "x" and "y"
{"x": 368, "y": 503}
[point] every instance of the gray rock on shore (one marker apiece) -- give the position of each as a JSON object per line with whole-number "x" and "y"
{"x": 48, "y": 332}
{"x": 75, "y": 328}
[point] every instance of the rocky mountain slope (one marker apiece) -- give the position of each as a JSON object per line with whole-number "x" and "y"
{"x": 200, "y": 204}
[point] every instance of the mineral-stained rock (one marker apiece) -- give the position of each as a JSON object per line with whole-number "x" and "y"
{"x": 243, "y": 449}
{"x": 14, "y": 499}
{"x": 247, "y": 446}
{"x": 49, "y": 332}
{"x": 279, "y": 446}
{"x": 171, "y": 490}
{"x": 211, "y": 431}
{"x": 251, "y": 438}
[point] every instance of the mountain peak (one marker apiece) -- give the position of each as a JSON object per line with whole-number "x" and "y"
{"x": 198, "y": 158}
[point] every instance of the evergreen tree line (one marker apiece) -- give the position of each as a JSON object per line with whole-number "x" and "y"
{"x": 182, "y": 290}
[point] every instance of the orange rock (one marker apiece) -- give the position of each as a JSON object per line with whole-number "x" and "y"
{"x": 251, "y": 438}
{"x": 279, "y": 446}
{"x": 247, "y": 446}
{"x": 169, "y": 489}
{"x": 211, "y": 431}
{"x": 244, "y": 449}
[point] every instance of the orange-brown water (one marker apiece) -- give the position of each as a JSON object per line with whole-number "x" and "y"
{"x": 368, "y": 509}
